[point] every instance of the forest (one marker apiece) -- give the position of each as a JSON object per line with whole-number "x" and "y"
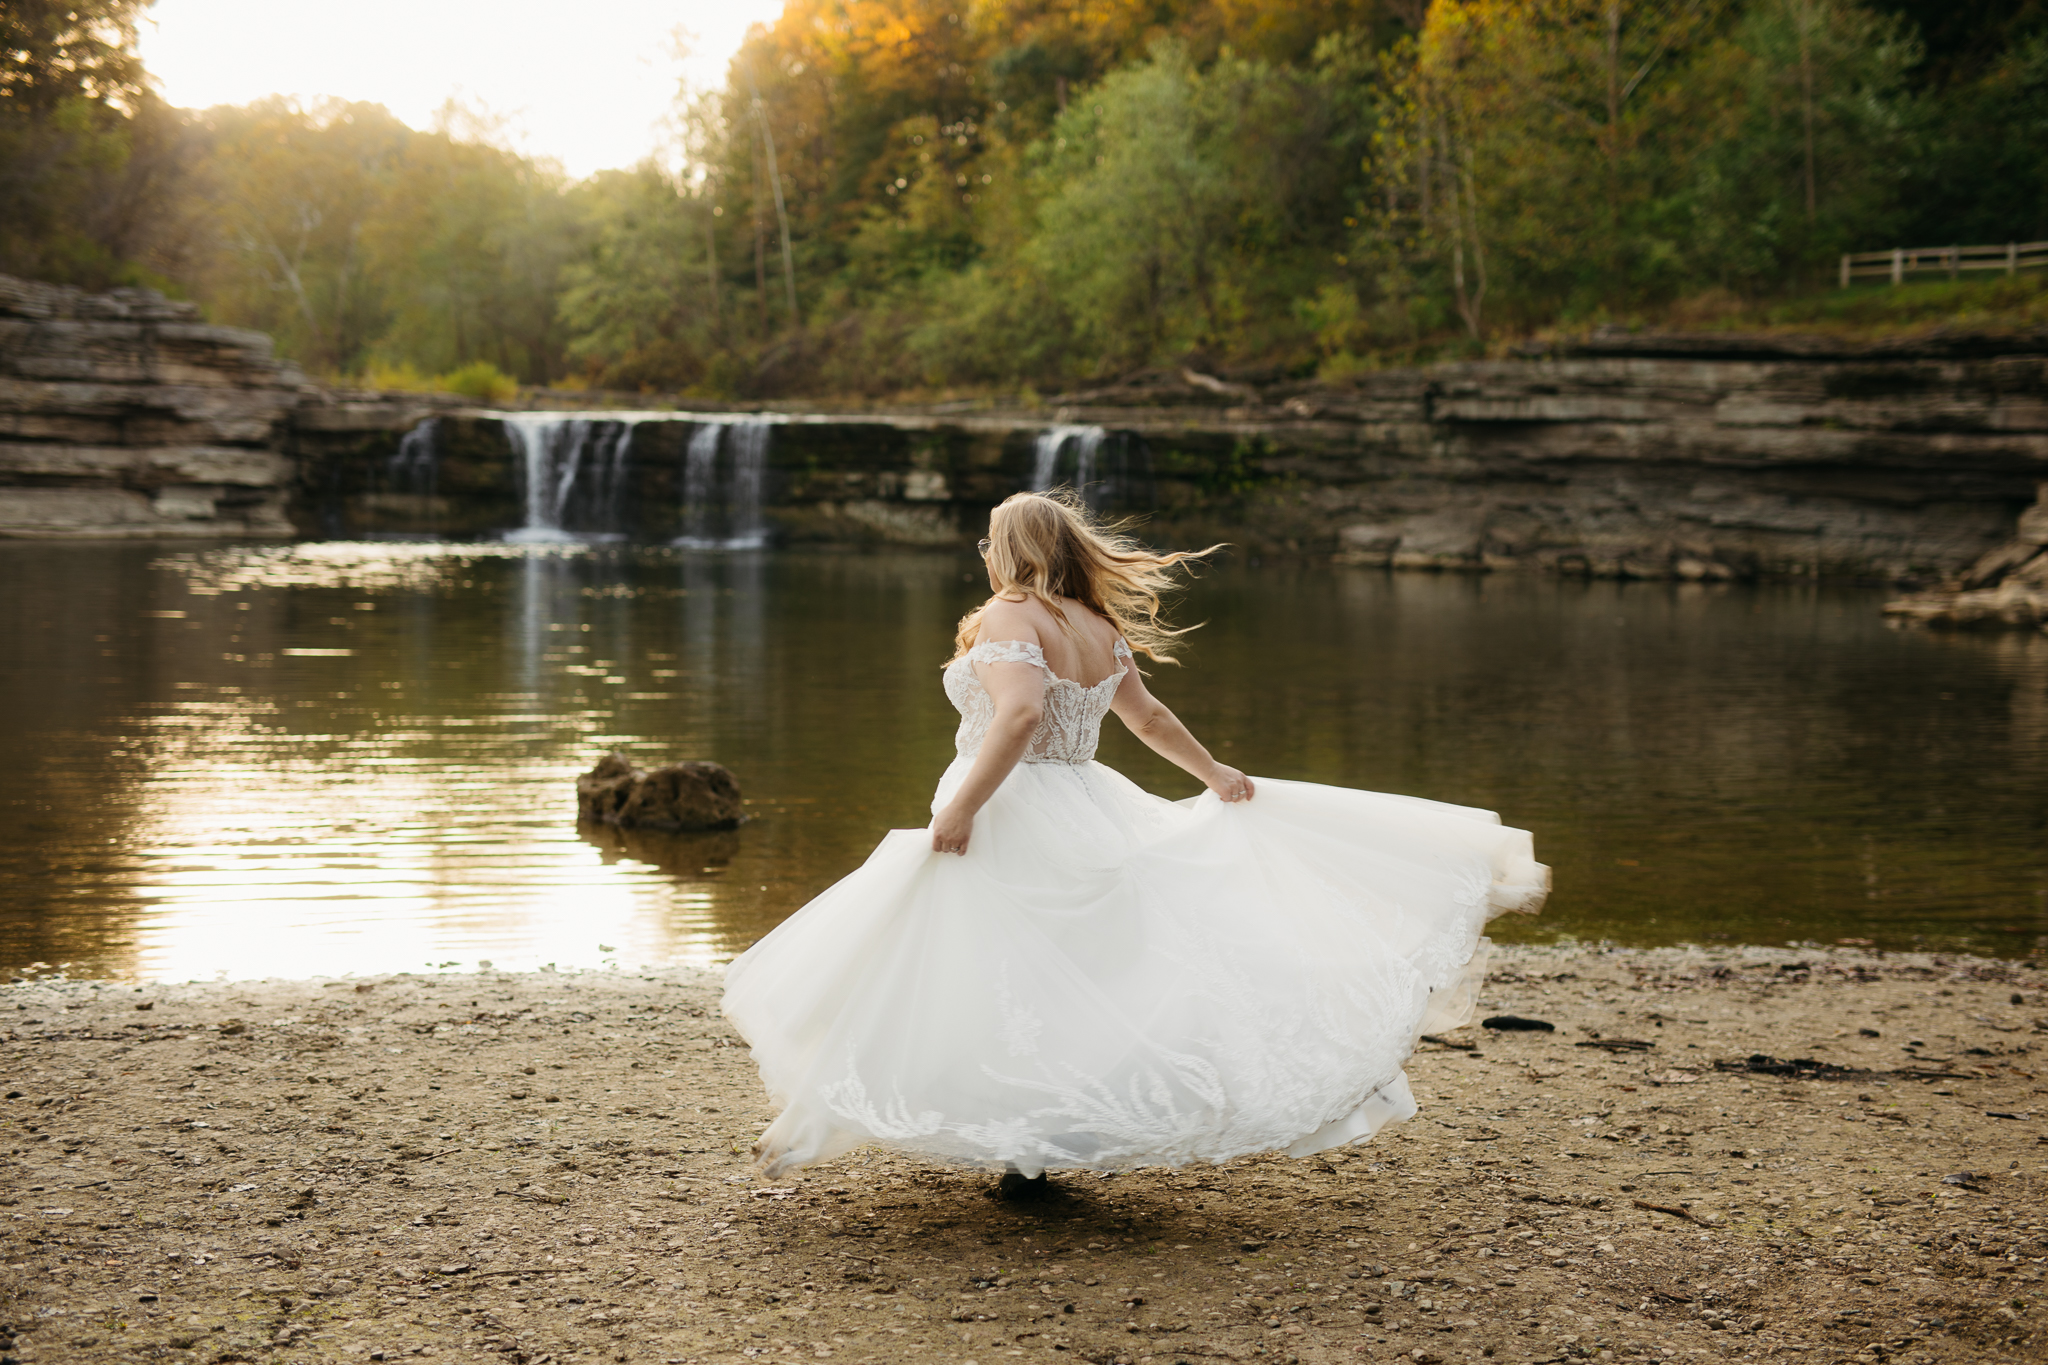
{"x": 923, "y": 197}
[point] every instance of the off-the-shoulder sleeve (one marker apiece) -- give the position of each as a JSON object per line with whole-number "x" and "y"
{"x": 1121, "y": 650}
{"x": 1007, "y": 652}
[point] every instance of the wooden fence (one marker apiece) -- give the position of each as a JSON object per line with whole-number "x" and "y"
{"x": 1951, "y": 261}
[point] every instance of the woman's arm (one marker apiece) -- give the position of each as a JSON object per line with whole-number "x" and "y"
{"x": 1150, "y": 720}
{"x": 1018, "y": 691}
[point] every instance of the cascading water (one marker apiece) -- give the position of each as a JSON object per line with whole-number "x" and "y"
{"x": 416, "y": 466}
{"x": 1098, "y": 465}
{"x": 722, "y": 507}
{"x": 749, "y": 442}
{"x": 1054, "y": 442}
{"x": 572, "y": 470}
{"x": 700, "y": 480}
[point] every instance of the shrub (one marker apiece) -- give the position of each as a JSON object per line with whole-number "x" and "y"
{"x": 403, "y": 377}
{"x": 481, "y": 380}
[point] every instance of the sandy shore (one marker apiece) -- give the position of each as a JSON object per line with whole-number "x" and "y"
{"x": 553, "y": 1167}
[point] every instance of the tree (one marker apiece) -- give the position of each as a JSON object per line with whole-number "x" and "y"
{"x": 1983, "y": 175}
{"x": 353, "y": 238}
{"x": 1170, "y": 212}
{"x": 1807, "y": 154}
{"x": 641, "y": 302}
{"x": 293, "y": 192}
{"x": 1569, "y": 125}
{"x": 89, "y": 159}
{"x": 468, "y": 242}
{"x": 52, "y": 51}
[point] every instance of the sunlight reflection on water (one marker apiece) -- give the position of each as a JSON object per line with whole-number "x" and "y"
{"x": 332, "y": 758}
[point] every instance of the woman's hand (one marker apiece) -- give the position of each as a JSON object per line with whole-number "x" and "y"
{"x": 950, "y": 828}
{"x": 1229, "y": 784}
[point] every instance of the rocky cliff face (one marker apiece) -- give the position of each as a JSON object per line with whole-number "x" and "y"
{"x": 865, "y": 479}
{"x": 1694, "y": 457}
{"x": 351, "y": 473}
{"x": 1703, "y": 457}
{"x": 121, "y": 414}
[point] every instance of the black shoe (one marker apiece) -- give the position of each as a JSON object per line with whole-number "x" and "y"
{"x": 1015, "y": 1188}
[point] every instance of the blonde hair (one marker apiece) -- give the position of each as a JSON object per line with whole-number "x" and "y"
{"x": 1048, "y": 546}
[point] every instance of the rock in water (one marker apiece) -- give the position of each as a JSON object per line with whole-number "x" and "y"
{"x": 680, "y": 796}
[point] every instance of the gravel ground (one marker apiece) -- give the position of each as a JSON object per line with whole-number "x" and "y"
{"x": 554, "y": 1167}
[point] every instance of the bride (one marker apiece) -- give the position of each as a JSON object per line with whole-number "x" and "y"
{"x": 1065, "y": 971}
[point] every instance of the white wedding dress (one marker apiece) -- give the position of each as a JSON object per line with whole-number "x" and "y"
{"x": 1108, "y": 979}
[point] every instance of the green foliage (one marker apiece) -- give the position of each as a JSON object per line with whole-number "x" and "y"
{"x": 1817, "y": 131}
{"x": 1990, "y": 301}
{"x": 641, "y": 301}
{"x": 351, "y": 237}
{"x": 1152, "y": 227}
{"x": 403, "y": 377}
{"x": 90, "y": 168}
{"x": 294, "y": 195}
{"x": 1337, "y": 317}
{"x": 481, "y": 380}
{"x": 1983, "y": 173}
{"x": 1035, "y": 194}
{"x": 469, "y": 242}
{"x": 52, "y": 51}
{"x": 1137, "y": 203}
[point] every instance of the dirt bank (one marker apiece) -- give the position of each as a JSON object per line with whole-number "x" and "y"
{"x": 553, "y": 1167}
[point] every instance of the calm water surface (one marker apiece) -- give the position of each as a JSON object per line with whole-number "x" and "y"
{"x": 331, "y": 758}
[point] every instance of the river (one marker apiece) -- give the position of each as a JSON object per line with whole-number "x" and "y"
{"x": 359, "y": 757}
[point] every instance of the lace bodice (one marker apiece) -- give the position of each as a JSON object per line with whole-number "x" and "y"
{"x": 1072, "y": 721}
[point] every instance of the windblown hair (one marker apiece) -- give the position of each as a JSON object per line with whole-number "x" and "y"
{"x": 1048, "y": 546}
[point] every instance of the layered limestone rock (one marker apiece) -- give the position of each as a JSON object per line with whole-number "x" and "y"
{"x": 1629, "y": 457}
{"x": 1645, "y": 457}
{"x": 122, "y": 414}
{"x": 865, "y": 479}
{"x": 1689, "y": 457}
{"x": 353, "y": 473}
{"x": 2007, "y": 587}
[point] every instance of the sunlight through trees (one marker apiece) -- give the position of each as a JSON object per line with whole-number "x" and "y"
{"x": 899, "y": 195}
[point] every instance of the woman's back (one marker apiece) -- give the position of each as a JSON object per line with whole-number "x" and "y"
{"x": 1075, "y": 678}
{"x": 1086, "y": 655}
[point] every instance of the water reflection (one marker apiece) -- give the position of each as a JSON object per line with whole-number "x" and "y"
{"x": 328, "y": 758}
{"x": 687, "y": 855}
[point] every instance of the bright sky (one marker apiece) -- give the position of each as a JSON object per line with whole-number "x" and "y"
{"x": 587, "y": 87}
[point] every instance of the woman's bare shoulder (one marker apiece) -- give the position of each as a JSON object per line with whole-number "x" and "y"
{"x": 1006, "y": 618}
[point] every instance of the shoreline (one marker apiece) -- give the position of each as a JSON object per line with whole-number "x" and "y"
{"x": 543, "y": 1167}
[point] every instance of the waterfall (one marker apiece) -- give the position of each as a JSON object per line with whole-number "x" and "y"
{"x": 572, "y": 469}
{"x": 1105, "y": 469}
{"x": 724, "y": 513}
{"x": 749, "y": 473}
{"x": 700, "y": 477}
{"x": 416, "y": 467}
{"x": 1052, "y": 443}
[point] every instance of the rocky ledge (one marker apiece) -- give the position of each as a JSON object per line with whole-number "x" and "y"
{"x": 1702, "y": 457}
{"x": 2006, "y": 588}
{"x": 124, "y": 415}
{"x": 1614, "y": 456}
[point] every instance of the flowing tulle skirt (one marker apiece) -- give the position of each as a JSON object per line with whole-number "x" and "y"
{"x": 1108, "y": 979}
